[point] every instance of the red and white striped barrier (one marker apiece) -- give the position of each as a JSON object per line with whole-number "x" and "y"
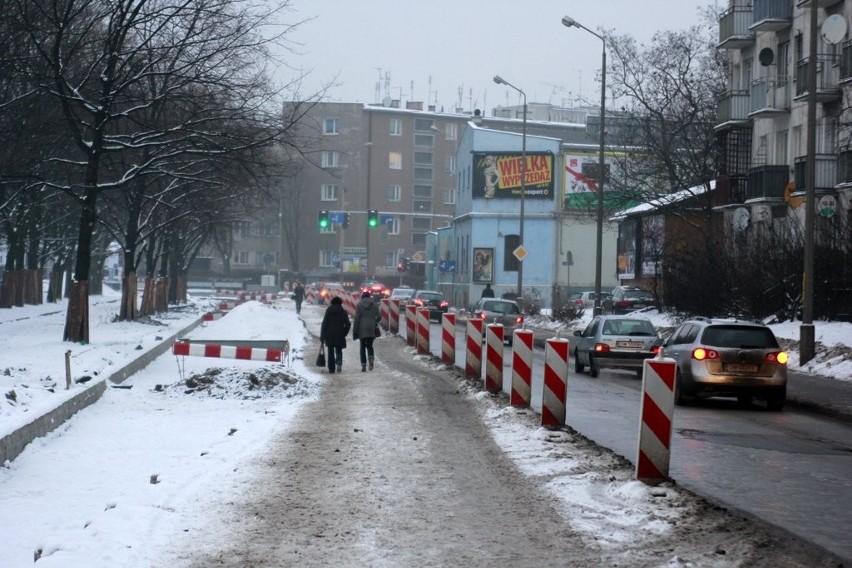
{"x": 411, "y": 325}
{"x": 448, "y": 338}
{"x": 384, "y": 312}
{"x": 655, "y": 433}
{"x": 494, "y": 357}
{"x": 394, "y": 317}
{"x": 228, "y": 305}
{"x": 554, "y": 397}
{"x": 310, "y": 295}
{"x": 211, "y": 316}
{"x": 227, "y": 351}
{"x": 423, "y": 331}
{"x": 522, "y": 360}
{"x": 473, "y": 355}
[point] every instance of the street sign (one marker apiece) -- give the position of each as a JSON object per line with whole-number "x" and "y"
{"x": 520, "y": 253}
{"x": 355, "y": 251}
{"x": 337, "y": 217}
{"x": 446, "y": 265}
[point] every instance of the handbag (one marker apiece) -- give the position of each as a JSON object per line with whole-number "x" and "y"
{"x": 378, "y": 331}
{"x": 321, "y": 356}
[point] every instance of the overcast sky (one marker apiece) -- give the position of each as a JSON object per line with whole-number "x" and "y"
{"x": 446, "y": 52}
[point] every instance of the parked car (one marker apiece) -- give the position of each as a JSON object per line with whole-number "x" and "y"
{"x": 435, "y": 301}
{"x": 327, "y": 290}
{"x": 717, "y": 357}
{"x": 401, "y": 294}
{"x": 615, "y": 342}
{"x": 587, "y": 299}
{"x": 631, "y": 298}
{"x": 499, "y": 310}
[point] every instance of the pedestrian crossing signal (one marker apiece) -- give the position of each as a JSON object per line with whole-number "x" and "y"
{"x": 323, "y": 221}
{"x": 372, "y": 218}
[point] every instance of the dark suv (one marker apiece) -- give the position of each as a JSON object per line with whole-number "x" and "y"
{"x": 727, "y": 358}
{"x": 630, "y": 298}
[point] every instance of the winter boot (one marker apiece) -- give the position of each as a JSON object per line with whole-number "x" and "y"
{"x": 339, "y": 367}
{"x": 371, "y": 363}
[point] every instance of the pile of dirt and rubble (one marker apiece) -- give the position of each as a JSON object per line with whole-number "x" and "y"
{"x": 239, "y": 384}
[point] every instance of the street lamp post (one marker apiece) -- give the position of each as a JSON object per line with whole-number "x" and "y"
{"x": 571, "y": 22}
{"x": 500, "y": 81}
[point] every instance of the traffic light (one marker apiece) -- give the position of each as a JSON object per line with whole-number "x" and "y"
{"x": 323, "y": 221}
{"x": 372, "y": 218}
{"x": 346, "y": 219}
{"x": 400, "y": 267}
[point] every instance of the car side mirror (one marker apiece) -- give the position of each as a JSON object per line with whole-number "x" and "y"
{"x": 578, "y": 333}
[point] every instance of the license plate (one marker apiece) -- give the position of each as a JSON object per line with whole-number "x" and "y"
{"x": 742, "y": 368}
{"x": 631, "y": 344}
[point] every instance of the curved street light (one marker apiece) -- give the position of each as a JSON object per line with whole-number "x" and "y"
{"x": 500, "y": 81}
{"x": 572, "y": 23}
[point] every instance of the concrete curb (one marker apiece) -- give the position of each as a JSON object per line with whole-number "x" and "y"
{"x": 13, "y": 444}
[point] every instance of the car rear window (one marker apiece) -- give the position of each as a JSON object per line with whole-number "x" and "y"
{"x": 638, "y": 295}
{"x": 739, "y": 336}
{"x": 502, "y": 308}
{"x": 636, "y": 327}
{"x": 428, "y": 296}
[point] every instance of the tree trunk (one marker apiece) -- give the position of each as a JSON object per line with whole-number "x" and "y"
{"x": 129, "y": 291}
{"x": 78, "y": 313}
{"x": 77, "y": 318}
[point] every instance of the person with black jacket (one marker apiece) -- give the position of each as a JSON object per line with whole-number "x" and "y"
{"x": 333, "y": 330}
{"x": 364, "y": 328}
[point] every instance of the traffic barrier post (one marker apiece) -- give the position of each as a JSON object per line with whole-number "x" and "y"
{"x": 522, "y": 359}
{"x": 655, "y": 432}
{"x": 555, "y": 388}
{"x": 473, "y": 354}
{"x": 494, "y": 357}
{"x": 448, "y": 338}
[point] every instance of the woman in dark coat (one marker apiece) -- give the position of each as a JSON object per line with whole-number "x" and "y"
{"x": 335, "y": 326}
{"x": 364, "y": 328}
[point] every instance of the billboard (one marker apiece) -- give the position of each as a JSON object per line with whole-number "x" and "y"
{"x": 498, "y": 176}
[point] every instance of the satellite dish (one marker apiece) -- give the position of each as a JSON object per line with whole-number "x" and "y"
{"x": 766, "y": 56}
{"x": 834, "y": 29}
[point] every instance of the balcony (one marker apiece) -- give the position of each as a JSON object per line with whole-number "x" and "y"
{"x": 771, "y": 16}
{"x": 733, "y": 110}
{"x": 730, "y": 190}
{"x": 827, "y": 78}
{"x": 826, "y": 172}
{"x": 767, "y": 182}
{"x": 820, "y": 3}
{"x": 733, "y": 28}
{"x": 769, "y": 97}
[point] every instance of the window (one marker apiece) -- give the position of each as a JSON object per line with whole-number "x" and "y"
{"x": 421, "y": 224}
{"x": 241, "y": 257}
{"x": 422, "y": 191}
{"x": 423, "y": 158}
{"x": 783, "y": 63}
{"x": 423, "y": 174}
{"x": 449, "y": 197}
{"x": 395, "y": 193}
{"x": 244, "y": 228}
{"x": 781, "y": 147}
{"x": 510, "y": 243}
{"x": 326, "y": 257}
{"x": 393, "y": 226}
{"x": 421, "y": 207}
{"x": 424, "y": 141}
{"x": 424, "y": 124}
{"x": 328, "y": 192}
{"x": 449, "y": 164}
{"x": 390, "y": 259}
{"x": 395, "y": 160}
{"x": 330, "y": 159}
{"x": 418, "y": 239}
{"x": 451, "y": 131}
{"x": 331, "y": 126}
{"x": 395, "y": 127}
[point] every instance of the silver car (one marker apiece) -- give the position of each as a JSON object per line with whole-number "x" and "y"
{"x": 498, "y": 310}
{"x": 717, "y": 357}
{"x": 615, "y": 342}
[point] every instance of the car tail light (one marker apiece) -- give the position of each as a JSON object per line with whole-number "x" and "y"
{"x": 444, "y": 304}
{"x": 780, "y": 357}
{"x": 656, "y": 349}
{"x": 482, "y": 315}
{"x": 623, "y": 303}
{"x": 519, "y": 320}
{"x": 601, "y": 347}
{"x": 418, "y": 302}
{"x": 700, "y": 354}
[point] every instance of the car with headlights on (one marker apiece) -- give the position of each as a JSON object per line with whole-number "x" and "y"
{"x": 727, "y": 358}
{"x": 615, "y": 342}
{"x": 502, "y": 311}
{"x": 432, "y": 299}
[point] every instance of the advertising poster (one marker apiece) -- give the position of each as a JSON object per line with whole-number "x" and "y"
{"x": 652, "y": 245}
{"x": 498, "y": 176}
{"x": 483, "y": 265}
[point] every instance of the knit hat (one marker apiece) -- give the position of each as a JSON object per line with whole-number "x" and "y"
{"x": 366, "y": 295}
{"x": 337, "y": 300}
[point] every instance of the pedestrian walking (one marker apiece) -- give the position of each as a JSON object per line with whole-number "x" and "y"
{"x": 333, "y": 331}
{"x": 299, "y": 296}
{"x": 487, "y": 292}
{"x": 365, "y": 329}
